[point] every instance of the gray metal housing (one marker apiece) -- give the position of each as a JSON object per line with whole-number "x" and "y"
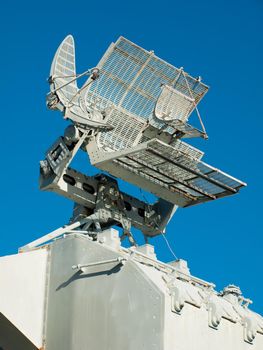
{"x": 118, "y": 298}
{"x": 77, "y": 293}
{"x": 111, "y": 306}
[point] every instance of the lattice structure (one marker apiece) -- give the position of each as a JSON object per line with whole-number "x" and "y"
{"x": 147, "y": 103}
{"x": 173, "y": 105}
{"x": 126, "y": 133}
{"x": 132, "y": 78}
{"x": 63, "y": 71}
{"x": 172, "y": 173}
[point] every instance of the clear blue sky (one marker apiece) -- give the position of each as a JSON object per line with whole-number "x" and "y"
{"x": 219, "y": 40}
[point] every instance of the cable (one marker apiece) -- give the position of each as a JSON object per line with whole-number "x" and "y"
{"x": 168, "y": 245}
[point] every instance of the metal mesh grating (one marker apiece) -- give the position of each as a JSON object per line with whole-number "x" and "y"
{"x": 127, "y": 131}
{"x": 63, "y": 70}
{"x": 131, "y": 77}
{"x": 176, "y": 170}
{"x": 187, "y": 149}
{"x": 173, "y": 105}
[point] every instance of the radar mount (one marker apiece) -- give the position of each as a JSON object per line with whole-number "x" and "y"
{"x": 130, "y": 117}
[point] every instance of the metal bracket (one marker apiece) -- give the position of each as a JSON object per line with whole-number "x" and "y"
{"x": 99, "y": 203}
{"x": 120, "y": 260}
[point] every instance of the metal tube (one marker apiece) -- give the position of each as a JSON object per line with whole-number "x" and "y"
{"x": 165, "y": 266}
{"x": 71, "y": 81}
{"x": 103, "y": 262}
{"x": 59, "y": 232}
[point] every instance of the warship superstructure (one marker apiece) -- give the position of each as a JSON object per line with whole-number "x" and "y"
{"x": 78, "y": 287}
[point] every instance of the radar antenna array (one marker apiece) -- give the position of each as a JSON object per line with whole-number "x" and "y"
{"x": 130, "y": 116}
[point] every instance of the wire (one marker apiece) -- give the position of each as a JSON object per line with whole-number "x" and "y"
{"x": 168, "y": 245}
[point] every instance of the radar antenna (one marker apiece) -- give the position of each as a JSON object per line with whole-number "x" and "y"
{"x": 131, "y": 117}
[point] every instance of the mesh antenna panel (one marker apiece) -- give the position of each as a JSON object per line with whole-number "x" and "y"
{"x": 63, "y": 70}
{"x": 65, "y": 94}
{"x": 146, "y": 104}
{"x": 130, "y": 116}
{"x": 149, "y": 102}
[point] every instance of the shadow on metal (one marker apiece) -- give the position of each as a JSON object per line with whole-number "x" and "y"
{"x": 11, "y": 338}
{"x": 83, "y": 275}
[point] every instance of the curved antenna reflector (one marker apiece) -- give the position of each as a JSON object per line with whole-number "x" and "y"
{"x": 173, "y": 105}
{"x": 63, "y": 71}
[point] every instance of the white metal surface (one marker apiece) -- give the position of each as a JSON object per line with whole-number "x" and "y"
{"x": 63, "y": 71}
{"x": 132, "y": 78}
{"x": 171, "y": 173}
{"x": 117, "y": 298}
{"x": 65, "y": 94}
{"x": 173, "y": 105}
{"x": 146, "y": 102}
{"x": 126, "y": 133}
{"x": 23, "y": 279}
{"x": 142, "y": 304}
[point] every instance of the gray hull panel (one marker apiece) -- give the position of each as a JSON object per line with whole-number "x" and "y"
{"x": 105, "y": 307}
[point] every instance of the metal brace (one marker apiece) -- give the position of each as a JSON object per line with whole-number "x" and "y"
{"x": 98, "y": 200}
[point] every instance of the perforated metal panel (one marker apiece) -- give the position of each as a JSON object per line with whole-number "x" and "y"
{"x": 172, "y": 173}
{"x": 173, "y": 105}
{"x": 187, "y": 150}
{"x": 126, "y": 133}
{"x": 63, "y": 70}
{"x": 146, "y": 100}
{"x": 131, "y": 77}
